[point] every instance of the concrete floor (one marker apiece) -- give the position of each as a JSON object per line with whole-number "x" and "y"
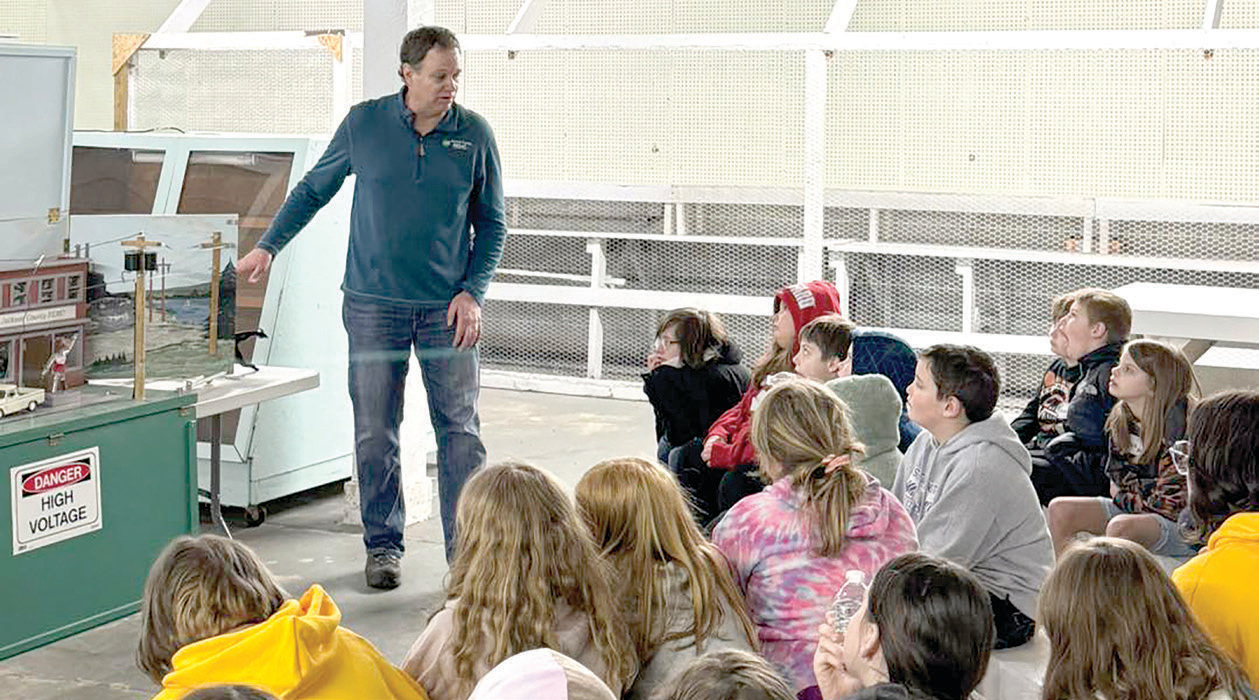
{"x": 303, "y": 543}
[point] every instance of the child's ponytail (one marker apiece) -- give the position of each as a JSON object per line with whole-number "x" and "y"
{"x": 802, "y": 431}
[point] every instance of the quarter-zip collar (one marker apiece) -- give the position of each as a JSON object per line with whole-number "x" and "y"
{"x": 449, "y": 121}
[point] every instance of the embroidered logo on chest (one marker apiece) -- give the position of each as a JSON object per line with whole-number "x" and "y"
{"x": 457, "y": 144}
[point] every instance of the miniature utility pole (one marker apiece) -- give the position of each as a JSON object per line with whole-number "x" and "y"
{"x": 164, "y": 266}
{"x": 216, "y": 246}
{"x": 139, "y": 261}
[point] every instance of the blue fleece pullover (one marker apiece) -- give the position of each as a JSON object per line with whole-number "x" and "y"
{"x": 427, "y": 220}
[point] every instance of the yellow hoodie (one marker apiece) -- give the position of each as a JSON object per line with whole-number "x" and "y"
{"x": 300, "y": 653}
{"x": 1219, "y": 585}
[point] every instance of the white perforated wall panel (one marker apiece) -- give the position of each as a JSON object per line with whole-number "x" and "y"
{"x": 1099, "y": 123}
{"x": 1008, "y": 15}
{"x": 280, "y": 15}
{"x": 28, "y": 20}
{"x": 284, "y": 92}
{"x": 1243, "y": 14}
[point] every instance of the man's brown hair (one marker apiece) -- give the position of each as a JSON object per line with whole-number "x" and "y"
{"x": 419, "y": 41}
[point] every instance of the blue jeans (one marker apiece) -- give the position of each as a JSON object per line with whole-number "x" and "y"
{"x": 382, "y": 335}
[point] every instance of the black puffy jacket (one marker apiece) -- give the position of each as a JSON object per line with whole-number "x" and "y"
{"x": 688, "y": 400}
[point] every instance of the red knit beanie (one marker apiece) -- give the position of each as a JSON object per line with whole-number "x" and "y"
{"x": 806, "y": 302}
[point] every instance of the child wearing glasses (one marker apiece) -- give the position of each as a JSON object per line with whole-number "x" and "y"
{"x": 694, "y": 374}
{"x": 1154, "y": 385}
{"x": 1222, "y": 462}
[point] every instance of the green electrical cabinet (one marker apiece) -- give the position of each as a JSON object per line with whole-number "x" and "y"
{"x": 90, "y": 497}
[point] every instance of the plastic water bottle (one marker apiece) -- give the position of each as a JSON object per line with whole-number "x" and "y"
{"x": 849, "y": 599}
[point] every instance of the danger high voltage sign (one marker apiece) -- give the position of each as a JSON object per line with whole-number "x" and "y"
{"x": 55, "y": 499}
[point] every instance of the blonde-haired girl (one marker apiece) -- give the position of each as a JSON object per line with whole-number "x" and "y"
{"x": 526, "y": 574}
{"x": 1154, "y": 383}
{"x": 674, "y": 586}
{"x": 1119, "y": 630}
{"x": 213, "y": 614}
{"x": 792, "y": 545}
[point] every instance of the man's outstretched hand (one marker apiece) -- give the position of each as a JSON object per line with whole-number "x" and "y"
{"x": 253, "y": 266}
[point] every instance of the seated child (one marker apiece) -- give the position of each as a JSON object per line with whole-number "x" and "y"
{"x": 832, "y": 347}
{"x": 728, "y": 674}
{"x": 541, "y": 674}
{"x": 792, "y": 545}
{"x": 1092, "y": 334}
{"x": 1154, "y": 383}
{"x": 880, "y": 352}
{"x": 1044, "y": 418}
{"x": 674, "y": 586}
{"x": 965, "y": 483}
{"x": 727, "y": 448}
{"x": 213, "y": 614}
{"x": 924, "y": 632}
{"x": 875, "y": 410}
{"x": 1118, "y": 629}
{"x": 693, "y": 376}
{"x": 526, "y": 574}
{"x": 1222, "y": 462}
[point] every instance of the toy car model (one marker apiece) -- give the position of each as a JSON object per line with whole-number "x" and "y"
{"x": 15, "y": 398}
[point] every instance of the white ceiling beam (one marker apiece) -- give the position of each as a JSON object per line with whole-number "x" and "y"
{"x": 1025, "y": 40}
{"x": 239, "y": 41}
{"x": 841, "y": 15}
{"x": 526, "y": 16}
{"x": 185, "y": 14}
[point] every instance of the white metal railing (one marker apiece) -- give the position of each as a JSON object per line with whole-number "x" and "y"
{"x": 599, "y": 294}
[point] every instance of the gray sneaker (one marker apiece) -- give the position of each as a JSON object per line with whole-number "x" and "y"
{"x": 384, "y": 569}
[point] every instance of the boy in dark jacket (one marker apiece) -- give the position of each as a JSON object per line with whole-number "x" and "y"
{"x": 1092, "y": 334}
{"x": 1046, "y": 413}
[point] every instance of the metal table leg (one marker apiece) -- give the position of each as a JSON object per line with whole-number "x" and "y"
{"x": 216, "y": 466}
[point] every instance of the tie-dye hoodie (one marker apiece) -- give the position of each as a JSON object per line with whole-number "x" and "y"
{"x": 787, "y": 585}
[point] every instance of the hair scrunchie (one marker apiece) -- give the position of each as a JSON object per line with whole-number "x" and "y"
{"x": 830, "y": 464}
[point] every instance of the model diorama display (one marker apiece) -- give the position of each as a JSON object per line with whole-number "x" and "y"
{"x": 43, "y": 321}
{"x": 187, "y": 300}
{"x": 83, "y": 316}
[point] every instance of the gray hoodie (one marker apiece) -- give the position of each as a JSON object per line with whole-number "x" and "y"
{"x": 875, "y": 410}
{"x": 973, "y": 502}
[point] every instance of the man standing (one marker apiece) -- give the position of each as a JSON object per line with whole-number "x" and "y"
{"x": 426, "y": 232}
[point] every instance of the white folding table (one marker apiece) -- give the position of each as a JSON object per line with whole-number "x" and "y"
{"x": 243, "y": 387}
{"x": 1192, "y": 317}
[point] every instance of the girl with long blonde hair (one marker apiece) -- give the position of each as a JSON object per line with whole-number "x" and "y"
{"x": 792, "y": 546}
{"x": 1119, "y": 630}
{"x": 675, "y": 587}
{"x": 526, "y": 574}
{"x": 1155, "y": 387}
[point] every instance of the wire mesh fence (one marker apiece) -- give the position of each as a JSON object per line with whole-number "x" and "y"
{"x": 931, "y": 158}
